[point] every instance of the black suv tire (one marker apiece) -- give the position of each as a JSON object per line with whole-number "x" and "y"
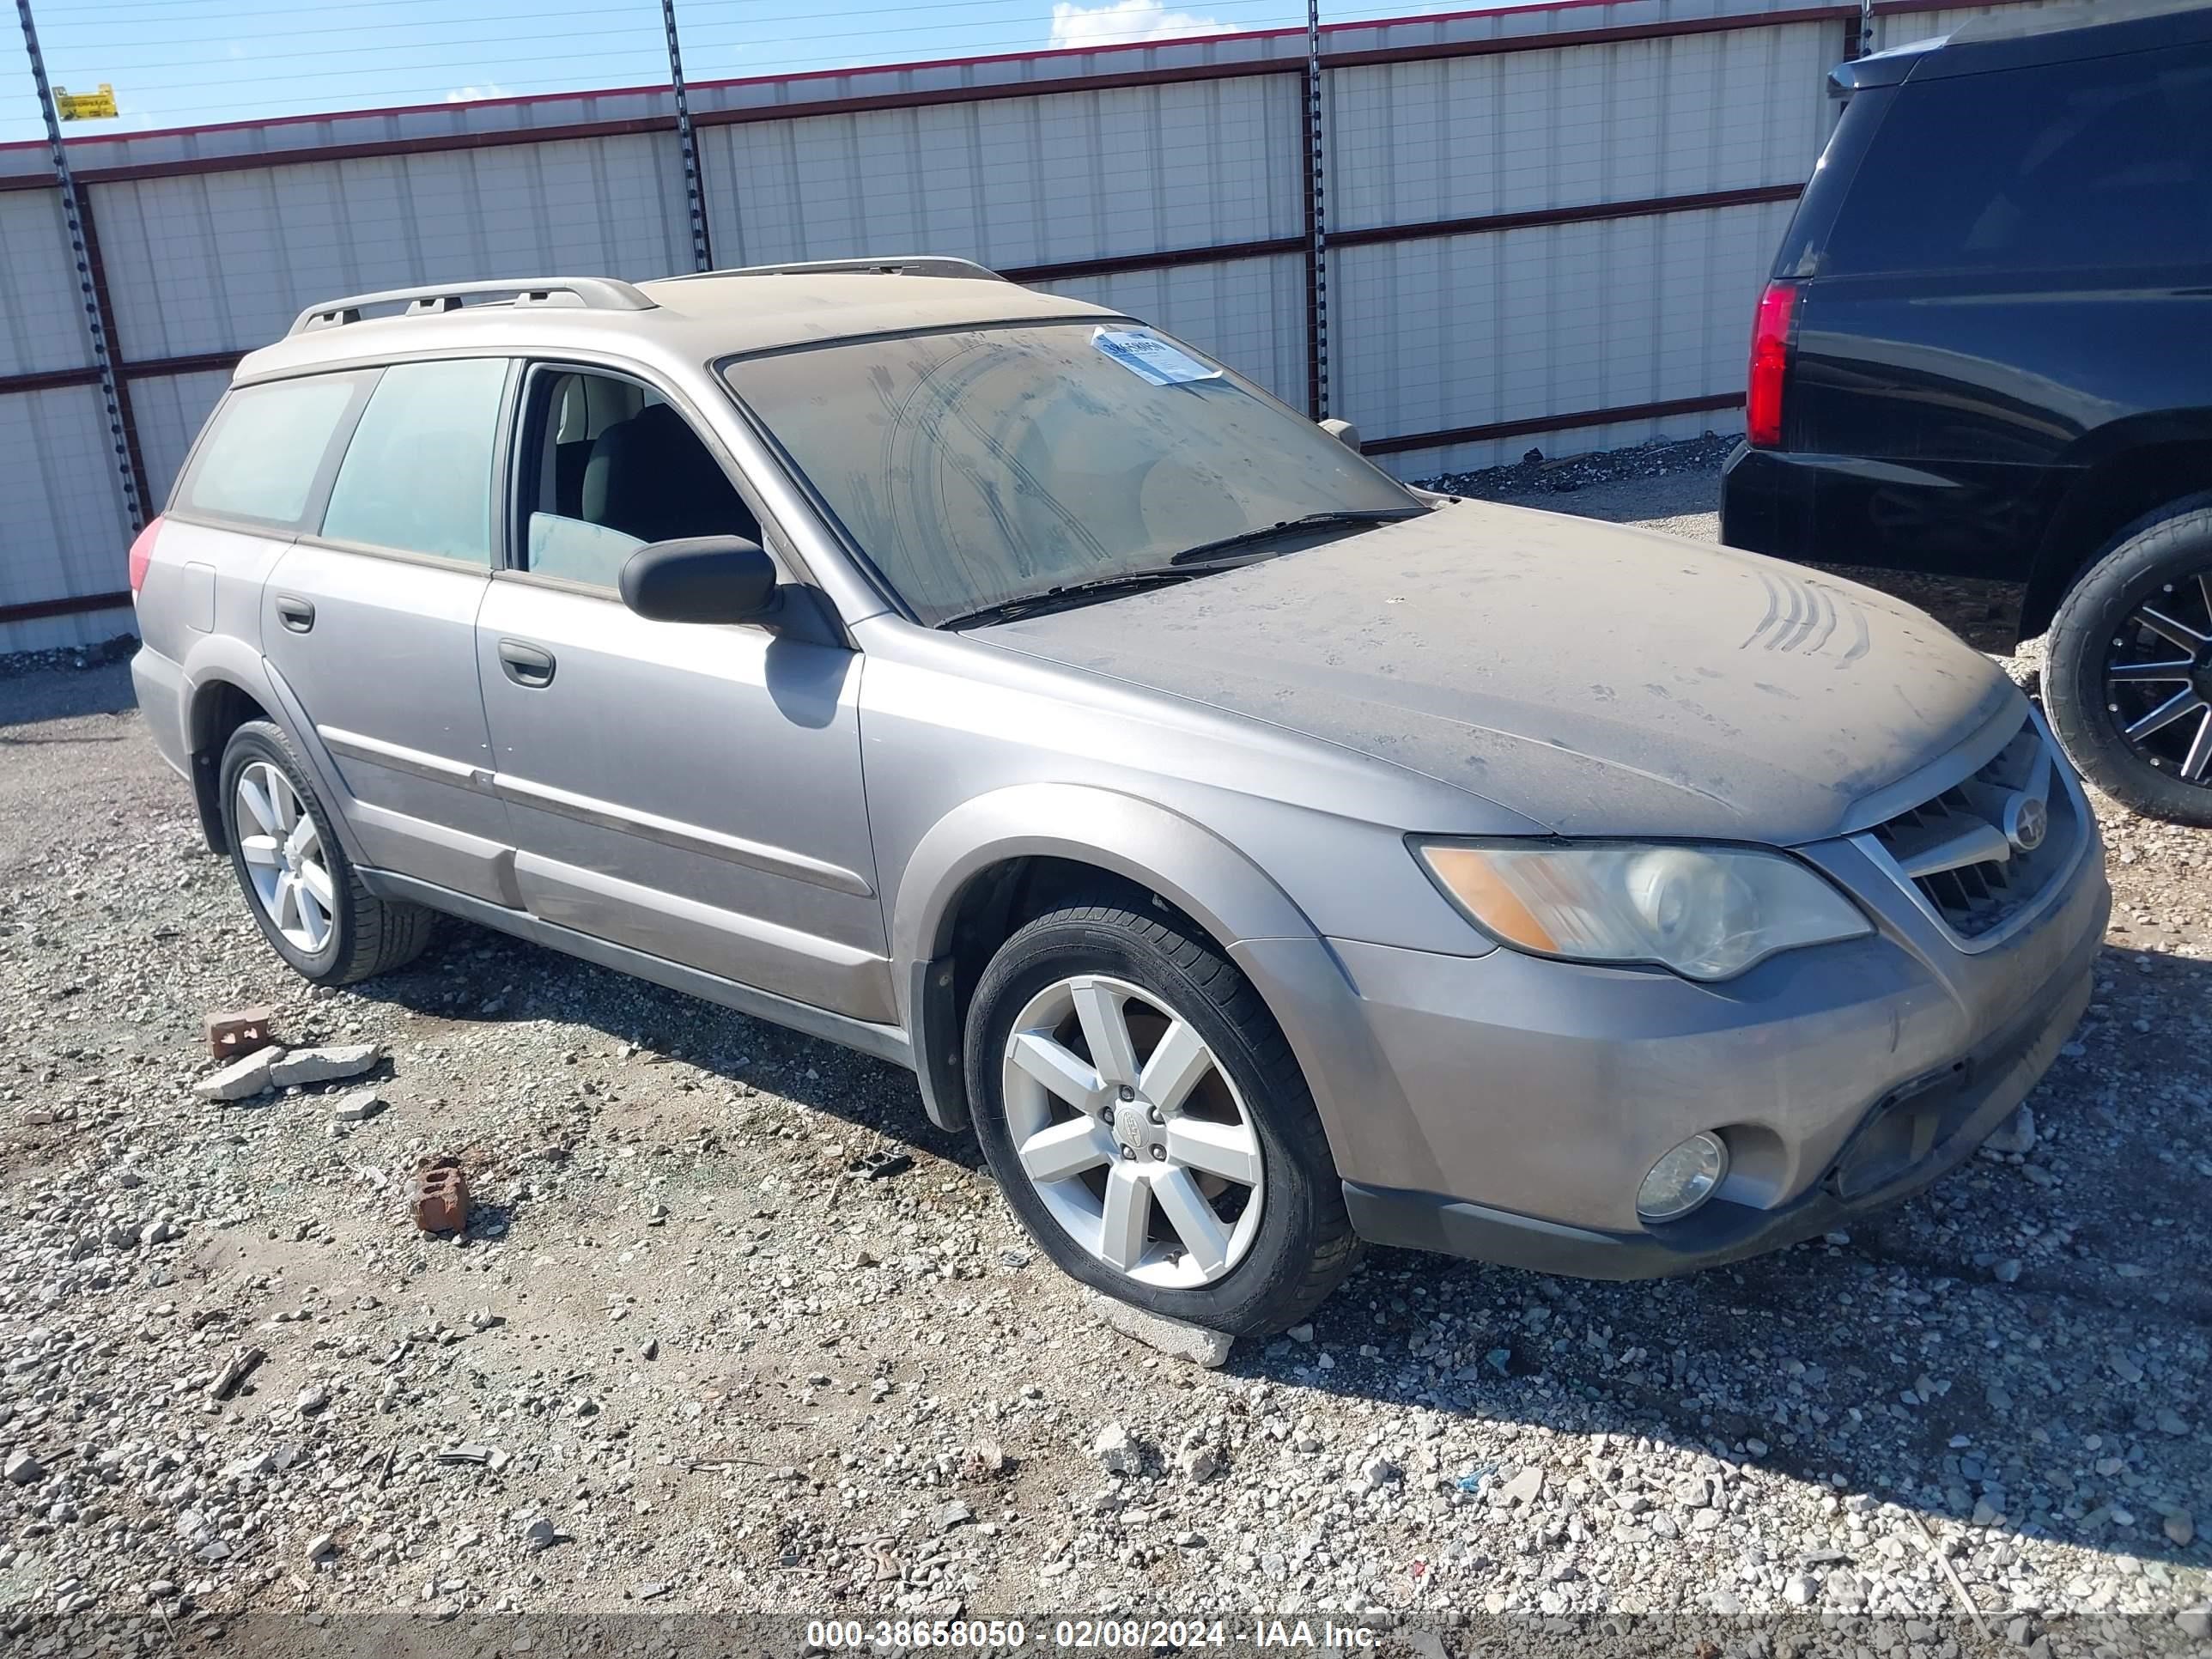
{"x": 1303, "y": 1245}
{"x": 368, "y": 935}
{"x": 2168, "y": 552}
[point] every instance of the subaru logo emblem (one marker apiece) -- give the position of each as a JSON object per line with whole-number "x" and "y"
{"x": 2027, "y": 821}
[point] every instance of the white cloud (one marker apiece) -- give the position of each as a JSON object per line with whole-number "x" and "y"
{"x": 475, "y": 95}
{"x": 1119, "y": 22}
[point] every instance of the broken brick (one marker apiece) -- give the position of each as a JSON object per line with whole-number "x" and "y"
{"x": 235, "y": 1032}
{"x": 441, "y": 1195}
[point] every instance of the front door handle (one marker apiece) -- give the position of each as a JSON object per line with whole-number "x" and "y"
{"x": 526, "y": 664}
{"x": 294, "y": 613}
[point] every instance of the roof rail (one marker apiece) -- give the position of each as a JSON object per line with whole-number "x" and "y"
{"x": 589, "y": 292}
{"x": 914, "y": 265}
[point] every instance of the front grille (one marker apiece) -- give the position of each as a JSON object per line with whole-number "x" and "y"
{"x": 1961, "y": 850}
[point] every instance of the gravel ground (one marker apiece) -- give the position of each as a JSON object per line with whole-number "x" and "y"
{"x": 681, "y": 1362}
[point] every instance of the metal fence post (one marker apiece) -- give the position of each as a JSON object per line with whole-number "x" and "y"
{"x": 76, "y": 215}
{"x": 703, "y": 252}
{"x": 1866, "y": 27}
{"x": 1317, "y": 224}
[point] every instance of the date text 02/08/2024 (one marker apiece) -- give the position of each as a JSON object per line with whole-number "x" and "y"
{"x": 1080, "y": 1635}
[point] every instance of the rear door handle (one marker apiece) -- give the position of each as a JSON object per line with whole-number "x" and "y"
{"x": 294, "y": 613}
{"x": 526, "y": 664}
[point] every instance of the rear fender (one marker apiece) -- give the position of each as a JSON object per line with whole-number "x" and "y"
{"x": 2120, "y": 476}
{"x": 216, "y": 660}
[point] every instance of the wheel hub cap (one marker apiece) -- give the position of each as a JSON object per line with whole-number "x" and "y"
{"x": 1138, "y": 1127}
{"x": 2158, "y": 680}
{"x": 1132, "y": 1133}
{"x": 282, "y": 849}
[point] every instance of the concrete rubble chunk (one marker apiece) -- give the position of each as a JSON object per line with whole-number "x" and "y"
{"x": 304, "y": 1066}
{"x": 2015, "y": 1134}
{"x": 1194, "y": 1344}
{"x": 1116, "y": 1451}
{"x": 235, "y": 1371}
{"x": 241, "y": 1080}
{"x": 358, "y": 1106}
{"x": 1524, "y": 1488}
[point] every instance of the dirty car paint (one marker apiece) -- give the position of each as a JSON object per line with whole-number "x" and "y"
{"x": 1601, "y": 679}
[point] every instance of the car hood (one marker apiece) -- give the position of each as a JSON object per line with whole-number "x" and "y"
{"x": 1593, "y": 678}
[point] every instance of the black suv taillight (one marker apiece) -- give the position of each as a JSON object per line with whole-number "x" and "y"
{"x": 1770, "y": 365}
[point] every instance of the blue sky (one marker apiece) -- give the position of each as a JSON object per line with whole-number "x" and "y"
{"x": 184, "y": 62}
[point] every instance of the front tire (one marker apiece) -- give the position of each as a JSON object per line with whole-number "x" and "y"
{"x": 301, "y": 888}
{"x": 2128, "y": 684}
{"x": 1149, "y": 1124}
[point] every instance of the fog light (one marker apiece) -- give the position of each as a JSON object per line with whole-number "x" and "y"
{"x": 1684, "y": 1178}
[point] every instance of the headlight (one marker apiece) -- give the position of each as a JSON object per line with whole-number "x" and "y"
{"x": 1705, "y": 912}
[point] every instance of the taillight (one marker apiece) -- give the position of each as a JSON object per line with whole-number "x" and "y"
{"x": 1770, "y": 365}
{"x": 142, "y": 554}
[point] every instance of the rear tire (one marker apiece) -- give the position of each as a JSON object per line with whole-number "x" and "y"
{"x": 338, "y": 931}
{"x": 1241, "y": 1103}
{"x": 2162, "y": 565}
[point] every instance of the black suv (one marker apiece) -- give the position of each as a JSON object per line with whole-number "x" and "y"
{"x": 1986, "y": 351}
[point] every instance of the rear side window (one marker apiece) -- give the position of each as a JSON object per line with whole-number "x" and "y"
{"x": 264, "y": 448}
{"x": 2102, "y": 163}
{"x": 418, "y": 475}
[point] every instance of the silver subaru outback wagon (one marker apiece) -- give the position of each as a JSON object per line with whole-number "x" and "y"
{"x": 1256, "y": 856}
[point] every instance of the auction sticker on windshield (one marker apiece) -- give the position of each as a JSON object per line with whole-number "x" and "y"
{"x": 1151, "y": 358}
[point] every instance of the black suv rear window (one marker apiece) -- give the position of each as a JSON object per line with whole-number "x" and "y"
{"x": 2106, "y": 162}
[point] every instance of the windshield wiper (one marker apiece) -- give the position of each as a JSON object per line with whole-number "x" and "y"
{"x": 1191, "y": 561}
{"x": 1205, "y": 551}
{"x": 1071, "y": 594}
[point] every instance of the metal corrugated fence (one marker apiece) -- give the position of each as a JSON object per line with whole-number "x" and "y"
{"x": 1544, "y": 225}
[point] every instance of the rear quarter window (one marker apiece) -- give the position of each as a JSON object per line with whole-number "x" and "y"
{"x": 2106, "y": 162}
{"x": 265, "y": 447}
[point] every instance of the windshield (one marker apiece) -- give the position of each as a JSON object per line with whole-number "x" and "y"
{"x": 991, "y": 464}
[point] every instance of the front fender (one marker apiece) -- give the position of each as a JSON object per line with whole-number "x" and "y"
{"x": 1295, "y": 971}
{"x": 1219, "y": 887}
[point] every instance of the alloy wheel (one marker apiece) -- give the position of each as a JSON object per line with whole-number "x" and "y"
{"x": 282, "y": 847}
{"x": 2158, "y": 680}
{"x": 1132, "y": 1132}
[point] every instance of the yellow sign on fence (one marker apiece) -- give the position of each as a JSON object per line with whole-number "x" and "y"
{"x": 86, "y": 106}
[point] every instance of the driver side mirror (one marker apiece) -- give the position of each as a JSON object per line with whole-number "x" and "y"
{"x": 701, "y": 578}
{"x": 1344, "y": 432}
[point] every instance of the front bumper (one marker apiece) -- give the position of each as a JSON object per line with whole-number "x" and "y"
{"x": 1506, "y": 1107}
{"x": 1912, "y": 1138}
